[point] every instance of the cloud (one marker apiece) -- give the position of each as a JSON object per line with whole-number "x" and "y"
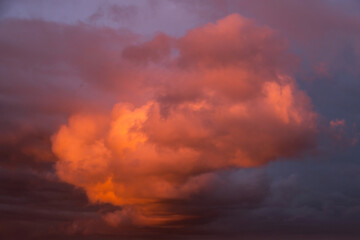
{"x": 220, "y": 97}
{"x": 337, "y": 123}
{"x": 220, "y": 102}
{"x": 115, "y": 13}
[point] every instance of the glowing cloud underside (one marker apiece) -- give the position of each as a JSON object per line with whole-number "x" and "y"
{"x": 221, "y": 97}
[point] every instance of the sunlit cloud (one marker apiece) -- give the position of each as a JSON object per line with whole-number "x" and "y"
{"x": 228, "y": 102}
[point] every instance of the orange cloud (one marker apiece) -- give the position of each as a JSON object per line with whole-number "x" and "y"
{"x": 221, "y": 97}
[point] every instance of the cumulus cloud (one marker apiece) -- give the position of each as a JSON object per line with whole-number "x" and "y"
{"x": 220, "y": 97}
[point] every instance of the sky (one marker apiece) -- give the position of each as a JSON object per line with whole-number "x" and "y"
{"x": 166, "y": 119}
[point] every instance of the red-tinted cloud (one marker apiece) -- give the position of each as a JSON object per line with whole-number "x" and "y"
{"x": 219, "y": 97}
